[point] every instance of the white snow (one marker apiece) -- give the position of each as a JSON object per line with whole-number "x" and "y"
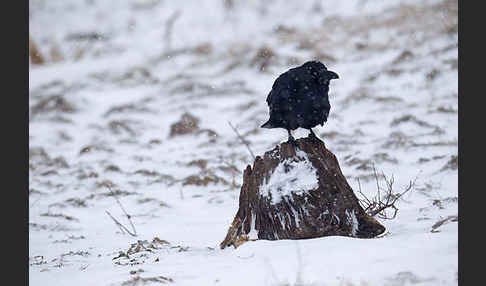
{"x": 290, "y": 176}
{"x": 296, "y": 216}
{"x": 253, "y": 234}
{"x": 351, "y": 216}
{"x": 119, "y": 95}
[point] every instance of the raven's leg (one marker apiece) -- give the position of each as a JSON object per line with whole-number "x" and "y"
{"x": 291, "y": 138}
{"x": 312, "y": 134}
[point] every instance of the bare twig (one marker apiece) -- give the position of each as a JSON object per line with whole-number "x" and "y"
{"x": 242, "y": 140}
{"x": 34, "y": 202}
{"x": 378, "y": 205}
{"x": 121, "y": 226}
{"x": 129, "y": 217}
{"x": 376, "y": 178}
{"x": 247, "y": 257}
{"x": 169, "y": 24}
{"x": 365, "y": 201}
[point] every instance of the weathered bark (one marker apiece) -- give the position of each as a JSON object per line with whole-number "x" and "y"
{"x": 283, "y": 207}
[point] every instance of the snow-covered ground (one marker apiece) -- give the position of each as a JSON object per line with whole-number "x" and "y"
{"x": 119, "y": 74}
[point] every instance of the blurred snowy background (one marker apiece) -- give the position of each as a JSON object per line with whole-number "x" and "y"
{"x": 138, "y": 95}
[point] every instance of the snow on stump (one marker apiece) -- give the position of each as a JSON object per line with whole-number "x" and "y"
{"x": 298, "y": 192}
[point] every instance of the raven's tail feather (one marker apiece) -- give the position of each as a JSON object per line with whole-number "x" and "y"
{"x": 267, "y": 124}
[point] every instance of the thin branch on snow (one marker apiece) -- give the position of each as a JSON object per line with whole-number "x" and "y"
{"x": 129, "y": 217}
{"x": 378, "y": 205}
{"x": 242, "y": 139}
{"x": 121, "y": 226}
{"x": 169, "y": 24}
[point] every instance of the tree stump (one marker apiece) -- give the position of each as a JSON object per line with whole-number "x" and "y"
{"x": 297, "y": 191}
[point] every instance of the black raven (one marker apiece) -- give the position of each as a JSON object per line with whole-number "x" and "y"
{"x": 299, "y": 98}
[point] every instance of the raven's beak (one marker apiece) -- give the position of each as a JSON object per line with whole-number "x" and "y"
{"x": 332, "y": 75}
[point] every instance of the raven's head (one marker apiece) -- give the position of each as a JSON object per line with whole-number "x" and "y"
{"x": 320, "y": 71}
